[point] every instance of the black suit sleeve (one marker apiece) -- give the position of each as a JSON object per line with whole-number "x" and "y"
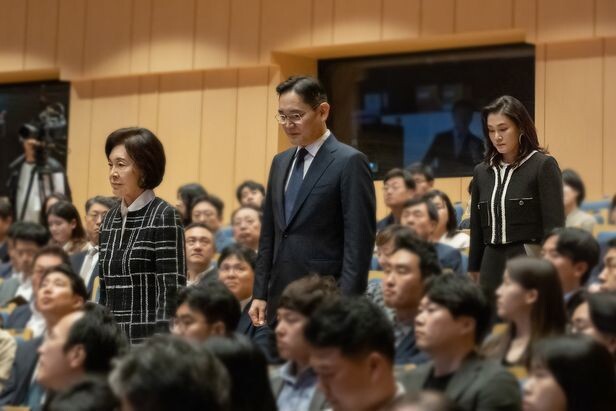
{"x": 550, "y": 185}
{"x": 477, "y": 242}
{"x": 266, "y": 242}
{"x": 359, "y": 219}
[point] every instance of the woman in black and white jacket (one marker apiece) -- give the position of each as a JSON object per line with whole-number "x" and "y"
{"x": 517, "y": 196}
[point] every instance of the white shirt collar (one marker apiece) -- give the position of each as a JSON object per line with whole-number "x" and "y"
{"x": 313, "y": 148}
{"x": 139, "y": 203}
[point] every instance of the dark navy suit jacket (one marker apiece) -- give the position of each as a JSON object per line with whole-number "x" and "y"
{"x": 16, "y": 389}
{"x": 19, "y": 317}
{"x": 449, "y": 257}
{"x": 407, "y": 351}
{"x": 263, "y": 336}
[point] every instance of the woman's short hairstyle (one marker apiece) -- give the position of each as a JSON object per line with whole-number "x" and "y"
{"x": 572, "y": 179}
{"x": 452, "y": 220}
{"x": 68, "y": 212}
{"x": 145, "y": 149}
{"x": 516, "y": 112}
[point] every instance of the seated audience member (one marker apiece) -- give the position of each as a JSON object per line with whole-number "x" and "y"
{"x": 209, "y": 210}
{"x": 6, "y": 219}
{"x": 8, "y": 346}
{"x": 574, "y": 252}
{"x": 60, "y": 293}
{"x": 200, "y": 250}
{"x": 446, "y": 231}
{"x": 246, "y": 223}
{"x": 185, "y": 196}
{"x": 596, "y": 317}
{"x": 570, "y": 373}
{"x": 352, "y": 352}
{"x": 607, "y": 277}
{"x": 82, "y": 343}
{"x": 574, "y": 193}
{"x": 421, "y": 215}
{"x": 236, "y": 270}
{"x": 86, "y": 262}
{"x": 166, "y": 373}
{"x": 412, "y": 262}
{"x": 611, "y": 216}
{"x": 452, "y": 320}
{"x": 50, "y": 200}
{"x": 65, "y": 227}
{"x": 530, "y": 300}
{"x": 91, "y": 393}
{"x": 206, "y": 310}
{"x": 28, "y": 239}
{"x": 423, "y": 176}
{"x": 10, "y": 269}
{"x": 465, "y": 221}
{"x": 247, "y": 368}
{"x": 398, "y": 187}
{"x": 28, "y": 315}
{"x": 423, "y": 401}
{"x": 250, "y": 193}
{"x": 295, "y": 382}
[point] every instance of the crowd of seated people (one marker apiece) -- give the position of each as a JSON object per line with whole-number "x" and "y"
{"x": 422, "y": 337}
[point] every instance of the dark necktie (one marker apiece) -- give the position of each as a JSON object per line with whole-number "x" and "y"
{"x": 295, "y": 183}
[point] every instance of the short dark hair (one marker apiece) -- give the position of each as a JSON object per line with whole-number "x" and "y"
{"x": 428, "y": 259}
{"x": 166, "y": 372}
{"x": 249, "y": 207}
{"x": 572, "y": 179}
{"x": 54, "y": 250}
{"x": 6, "y": 209}
{"x": 611, "y": 243}
{"x": 251, "y": 185}
{"x": 461, "y": 297}
{"x": 77, "y": 285}
{"x": 145, "y": 149}
{"x": 68, "y": 212}
{"x": 308, "y": 293}
{"x": 578, "y": 245}
{"x": 452, "y": 218}
{"x": 422, "y": 169}
{"x": 187, "y": 193}
{"x": 197, "y": 225}
{"x": 214, "y": 300}
{"x": 354, "y": 325}
{"x": 403, "y": 174}
{"x": 432, "y": 211}
{"x": 90, "y": 393}
{"x": 247, "y": 368}
{"x": 390, "y": 233}
{"x": 29, "y": 231}
{"x": 241, "y": 252}
{"x": 100, "y": 336}
{"x": 602, "y": 307}
{"x": 308, "y": 88}
{"x": 216, "y": 202}
{"x": 582, "y": 367}
{"x": 108, "y": 202}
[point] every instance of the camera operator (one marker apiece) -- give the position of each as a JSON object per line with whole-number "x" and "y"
{"x": 34, "y": 175}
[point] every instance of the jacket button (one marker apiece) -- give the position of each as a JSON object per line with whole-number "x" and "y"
{"x": 285, "y": 235}
{"x": 521, "y": 202}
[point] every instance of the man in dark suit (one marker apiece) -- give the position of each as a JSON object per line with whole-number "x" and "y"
{"x": 453, "y": 318}
{"x": 456, "y": 151}
{"x": 319, "y": 212}
{"x": 200, "y": 249}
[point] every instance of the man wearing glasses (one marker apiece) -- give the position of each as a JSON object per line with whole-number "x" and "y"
{"x": 319, "y": 210}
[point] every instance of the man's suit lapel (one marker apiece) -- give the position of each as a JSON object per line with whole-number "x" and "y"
{"x": 279, "y": 181}
{"x": 464, "y": 377}
{"x": 318, "y": 166}
{"x": 244, "y": 324}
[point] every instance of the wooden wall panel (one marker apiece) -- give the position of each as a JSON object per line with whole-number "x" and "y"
{"x": 437, "y": 17}
{"x": 452, "y": 186}
{"x": 244, "y": 35}
{"x": 172, "y": 35}
{"x": 219, "y": 123}
{"x": 273, "y": 134}
{"x": 284, "y": 25}
{"x": 212, "y": 33}
{"x": 179, "y": 129}
{"x": 540, "y": 92}
{"x": 565, "y": 19}
{"x": 322, "y": 22}
{"x": 148, "y": 103}
{"x": 108, "y": 38}
{"x": 357, "y": 20}
{"x": 477, "y": 15}
{"x": 400, "y": 19}
{"x": 141, "y": 31}
{"x": 573, "y": 109}
{"x": 525, "y": 17}
{"x": 251, "y": 135}
{"x": 609, "y": 119}
{"x": 12, "y": 34}
{"x": 42, "y": 34}
{"x": 71, "y": 32}
{"x": 605, "y": 18}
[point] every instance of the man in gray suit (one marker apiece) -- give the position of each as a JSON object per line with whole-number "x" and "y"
{"x": 453, "y": 318}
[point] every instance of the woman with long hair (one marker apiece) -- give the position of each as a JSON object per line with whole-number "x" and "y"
{"x": 66, "y": 228}
{"x": 446, "y": 231}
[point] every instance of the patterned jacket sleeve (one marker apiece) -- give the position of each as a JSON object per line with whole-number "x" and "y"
{"x": 170, "y": 264}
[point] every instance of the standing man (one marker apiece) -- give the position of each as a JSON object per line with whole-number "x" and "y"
{"x": 319, "y": 211}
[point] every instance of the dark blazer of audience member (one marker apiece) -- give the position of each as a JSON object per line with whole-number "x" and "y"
{"x": 167, "y": 373}
{"x": 398, "y": 187}
{"x": 250, "y": 193}
{"x": 517, "y": 196}
{"x": 572, "y": 373}
{"x": 331, "y": 225}
{"x": 246, "y": 222}
{"x": 530, "y": 301}
{"x": 595, "y": 316}
{"x": 185, "y": 196}
{"x": 236, "y": 266}
{"x": 453, "y": 319}
{"x": 247, "y": 368}
{"x": 141, "y": 260}
{"x": 90, "y": 393}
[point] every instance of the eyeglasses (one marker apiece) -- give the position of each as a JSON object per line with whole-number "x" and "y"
{"x": 95, "y": 216}
{"x": 294, "y": 118}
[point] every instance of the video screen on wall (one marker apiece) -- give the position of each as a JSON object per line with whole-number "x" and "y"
{"x": 424, "y": 107}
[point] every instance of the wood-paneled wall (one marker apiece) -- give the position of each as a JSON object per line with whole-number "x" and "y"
{"x": 201, "y": 73}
